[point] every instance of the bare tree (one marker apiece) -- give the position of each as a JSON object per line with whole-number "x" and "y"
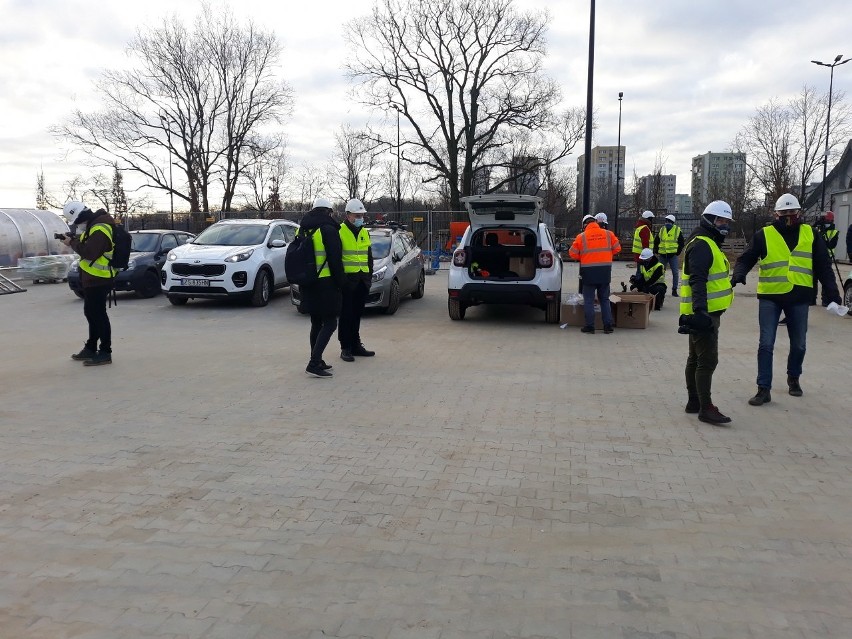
{"x": 266, "y": 166}
{"x": 42, "y": 198}
{"x": 353, "y": 171}
{"x": 192, "y": 96}
{"x": 117, "y": 195}
{"x": 307, "y": 182}
{"x": 464, "y": 74}
{"x": 784, "y": 142}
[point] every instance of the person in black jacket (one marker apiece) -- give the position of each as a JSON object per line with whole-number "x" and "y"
{"x": 791, "y": 256}
{"x": 323, "y": 297}
{"x": 651, "y": 278}
{"x": 824, "y": 226}
{"x": 849, "y": 243}
{"x": 701, "y": 313}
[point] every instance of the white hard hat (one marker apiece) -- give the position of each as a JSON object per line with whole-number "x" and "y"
{"x": 355, "y": 206}
{"x": 671, "y": 218}
{"x": 646, "y": 254}
{"x": 648, "y": 215}
{"x": 71, "y": 211}
{"x": 787, "y": 202}
{"x": 322, "y": 203}
{"x": 600, "y": 218}
{"x": 588, "y": 218}
{"x": 719, "y": 209}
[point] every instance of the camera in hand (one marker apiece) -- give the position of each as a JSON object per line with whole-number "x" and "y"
{"x": 59, "y": 236}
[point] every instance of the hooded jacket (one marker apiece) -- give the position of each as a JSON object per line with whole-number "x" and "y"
{"x": 318, "y": 219}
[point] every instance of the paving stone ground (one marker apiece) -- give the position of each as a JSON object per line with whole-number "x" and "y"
{"x": 486, "y": 479}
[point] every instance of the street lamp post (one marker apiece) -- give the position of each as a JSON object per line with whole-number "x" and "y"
{"x": 587, "y": 166}
{"x": 398, "y": 165}
{"x": 618, "y": 163}
{"x": 837, "y": 62}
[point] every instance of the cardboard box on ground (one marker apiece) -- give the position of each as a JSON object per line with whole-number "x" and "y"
{"x": 629, "y": 310}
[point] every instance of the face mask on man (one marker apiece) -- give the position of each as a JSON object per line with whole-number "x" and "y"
{"x": 669, "y": 226}
{"x": 788, "y": 220}
{"x": 358, "y": 222}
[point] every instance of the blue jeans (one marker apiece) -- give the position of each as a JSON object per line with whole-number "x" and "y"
{"x": 768, "y": 314}
{"x": 671, "y": 262}
{"x": 602, "y": 290}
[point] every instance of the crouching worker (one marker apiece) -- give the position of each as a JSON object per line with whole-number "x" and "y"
{"x": 650, "y": 278}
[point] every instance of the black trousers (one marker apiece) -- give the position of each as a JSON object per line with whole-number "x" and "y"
{"x": 95, "y": 310}
{"x": 701, "y": 362}
{"x": 354, "y": 298}
{"x": 322, "y": 328}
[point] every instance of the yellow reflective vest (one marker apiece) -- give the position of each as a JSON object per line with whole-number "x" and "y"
{"x": 637, "y": 241}
{"x": 99, "y": 267}
{"x": 782, "y": 268}
{"x": 355, "y": 250}
{"x": 320, "y": 255}
{"x": 668, "y": 240}
{"x": 829, "y": 235}
{"x": 720, "y": 293}
{"x": 648, "y": 272}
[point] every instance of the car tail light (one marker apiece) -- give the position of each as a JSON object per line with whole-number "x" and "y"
{"x": 459, "y": 257}
{"x": 545, "y": 259}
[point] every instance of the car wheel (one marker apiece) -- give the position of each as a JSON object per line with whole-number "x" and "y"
{"x": 177, "y": 301}
{"x": 847, "y": 294}
{"x": 149, "y": 286}
{"x": 393, "y": 299}
{"x": 262, "y": 289}
{"x": 551, "y": 311}
{"x": 421, "y": 286}
{"x": 456, "y": 309}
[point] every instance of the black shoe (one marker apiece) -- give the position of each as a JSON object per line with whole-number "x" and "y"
{"x": 675, "y": 295}
{"x": 99, "y": 359}
{"x": 692, "y": 405}
{"x": 324, "y": 366}
{"x": 360, "y": 351}
{"x": 84, "y": 355}
{"x": 762, "y": 397}
{"x": 608, "y": 328}
{"x": 316, "y": 370}
{"x": 783, "y": 320}
{"x": 346, "y": 355}
{"x": 793, "y": 385}
{"x": 587, "y": 329}
{"x": 711, "y": 415}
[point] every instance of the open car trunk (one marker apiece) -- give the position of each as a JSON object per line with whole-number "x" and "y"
{"x": 503, "y": 253}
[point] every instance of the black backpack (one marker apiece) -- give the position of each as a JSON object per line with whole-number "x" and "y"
{"x": 120, "y": 248}
{"x": 300, "y": 264}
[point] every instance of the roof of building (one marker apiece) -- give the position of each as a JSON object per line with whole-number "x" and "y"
{"x": 843, "y": 167}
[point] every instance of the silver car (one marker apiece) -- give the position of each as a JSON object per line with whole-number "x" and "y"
{"x": 399, "y": 269}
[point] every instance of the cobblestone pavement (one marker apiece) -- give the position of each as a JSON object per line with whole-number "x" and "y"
{"x": 491, "y": 478}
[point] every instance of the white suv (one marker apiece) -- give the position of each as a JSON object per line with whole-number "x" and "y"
{"x": 506, "y": 256}
{"x": 230, "y": 259}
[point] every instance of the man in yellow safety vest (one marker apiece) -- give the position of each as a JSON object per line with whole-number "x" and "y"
{"x": 790, "y": 257}
{"x": 94, "y": 246}
{"x": 705, "y": 293}
{"x": 358, "y": 269}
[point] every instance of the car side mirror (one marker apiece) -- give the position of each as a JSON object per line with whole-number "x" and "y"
{"x": 396, "y": 258}
{"x": 277, "y": 243}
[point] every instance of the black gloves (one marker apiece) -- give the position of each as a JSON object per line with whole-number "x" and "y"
{"x": 737, "y": 279}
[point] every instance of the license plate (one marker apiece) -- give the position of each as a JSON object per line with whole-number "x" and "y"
{"x": 188, "y": 282}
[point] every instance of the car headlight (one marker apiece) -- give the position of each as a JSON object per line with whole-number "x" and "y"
{"x": 131, "y": 264}
{"x": 172, "y": 257}
{"x": 75, "y": 266}
{"x": 240, "y": 257}
{"x": 380, "y": 274}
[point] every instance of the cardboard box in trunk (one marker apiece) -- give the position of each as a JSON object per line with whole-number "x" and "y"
{"x": 632, "y": 310}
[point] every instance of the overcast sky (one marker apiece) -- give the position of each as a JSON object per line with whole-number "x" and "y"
{"x": 691, "y": 72}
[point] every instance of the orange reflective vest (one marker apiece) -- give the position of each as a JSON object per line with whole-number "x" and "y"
{"x": 594, "y": 246}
